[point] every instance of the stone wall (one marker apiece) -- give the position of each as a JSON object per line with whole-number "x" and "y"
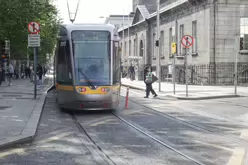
{"x": 217, "y": 26}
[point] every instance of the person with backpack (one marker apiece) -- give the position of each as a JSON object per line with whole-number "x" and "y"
{"x": 148, "y": 79}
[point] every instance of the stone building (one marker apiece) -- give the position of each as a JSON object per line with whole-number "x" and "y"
{"x": 120, "y": 20}
{"x": 219, "y": 29}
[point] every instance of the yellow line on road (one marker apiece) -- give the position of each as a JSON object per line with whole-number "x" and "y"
{"x": 237, "y": 157}
{"x": 244, "y": 134}
{"x": 101, "y": 122}
{"x": 13, "y": 151}
{"x": 53, "y": 138}
{"x": 22, "y": 150}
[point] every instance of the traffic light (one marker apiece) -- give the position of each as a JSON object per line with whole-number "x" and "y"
{"x": 241, "y": 43}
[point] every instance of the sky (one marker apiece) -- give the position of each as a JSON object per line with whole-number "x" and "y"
{"x": 89, "y": 11}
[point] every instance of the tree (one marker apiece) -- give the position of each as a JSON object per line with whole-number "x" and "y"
{"x": 14, "y": 18}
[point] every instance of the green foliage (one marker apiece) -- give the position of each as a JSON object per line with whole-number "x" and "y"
{"x": 14, "y": 18}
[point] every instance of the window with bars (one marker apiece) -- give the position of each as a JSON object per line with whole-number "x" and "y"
{"x": 153, "y": 45}
{"x": 244, "y": 33}
{"x": 162, "y": 44}
{"x": 130, "y": 48}
{"x": 125, "y": 49}
{"x": 194, "y": 35}
{"x": 170, "y": 41}
{"x": 180, "y": 39}
{"x": 134, "y": 47}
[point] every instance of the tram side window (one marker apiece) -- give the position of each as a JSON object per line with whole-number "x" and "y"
{"x": 64, "y": 73}
{"x": 116, "y": 64}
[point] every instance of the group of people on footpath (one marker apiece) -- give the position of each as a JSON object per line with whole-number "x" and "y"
{"x": 25, "y": 72}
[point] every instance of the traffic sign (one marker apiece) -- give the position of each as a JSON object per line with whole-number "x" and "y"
{"x": 33, "y": 40}
{"x": 187, "y": 41}
{"x": 33, "y": 27}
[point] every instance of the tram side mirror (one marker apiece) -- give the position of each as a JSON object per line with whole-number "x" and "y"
{"x": 62, "y": 38}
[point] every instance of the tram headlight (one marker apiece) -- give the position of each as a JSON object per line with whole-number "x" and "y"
{"x": 105, "y": 90}
{"x": 81, "y": 90}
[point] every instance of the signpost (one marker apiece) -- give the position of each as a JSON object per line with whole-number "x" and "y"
{"x": 34, "y": 42}
{"x": 187, "y": 41}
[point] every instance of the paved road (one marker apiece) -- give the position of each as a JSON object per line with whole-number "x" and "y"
{"x": 176, "y": 137}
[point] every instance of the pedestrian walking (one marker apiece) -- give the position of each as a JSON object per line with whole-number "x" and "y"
{"x": 11, "y": 73}
{"x": 132, "y": 72}
{"x": 40, "y": 73}
{"x": 148, "y": 79}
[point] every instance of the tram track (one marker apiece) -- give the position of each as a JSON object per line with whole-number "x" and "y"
{"x": 104, "y": 156}
{"x": 129, "y": 124}
{"x": 157, "y": 140}
{"x": 192, "y": 125}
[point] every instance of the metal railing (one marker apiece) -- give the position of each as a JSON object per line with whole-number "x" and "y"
{"x": 209, "y": 74}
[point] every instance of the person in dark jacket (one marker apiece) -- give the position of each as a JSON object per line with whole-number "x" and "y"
{"x": 148, "y": 72}
{"x": 40, "y": 73}
{"x": 132, "y": 72}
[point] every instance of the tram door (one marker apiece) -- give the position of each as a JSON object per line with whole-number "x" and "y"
{"x": 64, "y": 71}
{"x": 116, "y": 72}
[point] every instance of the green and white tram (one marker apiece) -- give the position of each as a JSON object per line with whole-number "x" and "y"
{"x": 87, "y": 67}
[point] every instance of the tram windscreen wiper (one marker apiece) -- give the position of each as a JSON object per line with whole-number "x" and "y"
{"x": 87, "y": 79}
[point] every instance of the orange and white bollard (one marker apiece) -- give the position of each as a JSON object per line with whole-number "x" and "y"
{"x": 126, "y": 102}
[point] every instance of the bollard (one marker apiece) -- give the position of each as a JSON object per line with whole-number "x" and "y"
{"x": 126, "y": 102}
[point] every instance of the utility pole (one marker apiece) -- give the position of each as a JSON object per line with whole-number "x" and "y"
{"x": 123, "y": 36}
{"x": 158, "y": 46}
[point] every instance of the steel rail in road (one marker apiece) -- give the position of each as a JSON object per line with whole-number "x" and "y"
{"x": 194, "y": 126}
{"x": 110, "y": 161}
{"x": 157, "y": 140}
{"x": 106, "y": 158}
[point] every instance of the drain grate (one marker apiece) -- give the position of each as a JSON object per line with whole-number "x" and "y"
{"x": 4, "y": 107}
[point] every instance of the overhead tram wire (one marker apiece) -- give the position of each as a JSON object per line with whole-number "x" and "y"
{"x": 69, "y": 13}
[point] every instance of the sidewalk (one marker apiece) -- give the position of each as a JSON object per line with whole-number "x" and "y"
{"x": 195, "y": 92}
{"x": 19, "y": 112}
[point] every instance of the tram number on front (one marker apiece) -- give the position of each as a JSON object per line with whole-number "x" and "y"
{"x": 63, "y": 43}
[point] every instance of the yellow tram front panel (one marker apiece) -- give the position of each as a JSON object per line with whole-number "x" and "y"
{"x": 64, "y": 87}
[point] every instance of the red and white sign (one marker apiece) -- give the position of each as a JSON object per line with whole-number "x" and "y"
{"x": 187, "y": 41}
{"x": 34, "y": 28}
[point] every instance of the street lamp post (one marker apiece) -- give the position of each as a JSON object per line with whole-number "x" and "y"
{"x": 158, "y": 46}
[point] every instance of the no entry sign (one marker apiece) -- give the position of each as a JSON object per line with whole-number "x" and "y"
{"x": 34, "y": 27}
{"x": 187, "y": 41}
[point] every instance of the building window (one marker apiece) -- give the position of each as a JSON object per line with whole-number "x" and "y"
{"x": 180, "y": 39}
{"x": 125, "y": 49}
{"x": 194, "y": 35}
{"x": 129, "y": 47}
{"x": 153, "y": 45}
{"x": 244, "y": 33}
{"x": 134, "y": 47}
{"x": 170, "y": 41}
{"x": 162, "y": 44}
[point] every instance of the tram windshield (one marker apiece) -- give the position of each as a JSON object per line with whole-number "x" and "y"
{"x": 92, "y": 57}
